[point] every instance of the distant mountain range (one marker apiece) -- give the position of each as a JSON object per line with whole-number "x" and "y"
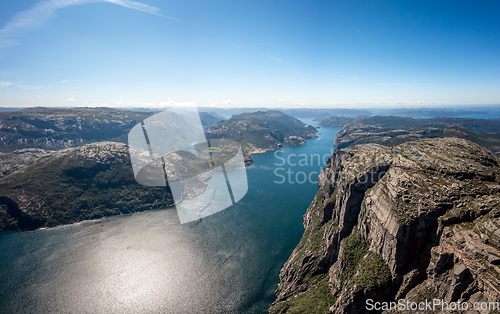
{"x": 54, "y": 129}
{"x": 63, "y": 128}
{"x": 58, "y": 167}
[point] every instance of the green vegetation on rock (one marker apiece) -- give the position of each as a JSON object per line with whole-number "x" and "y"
{"x": 435, "y": 212}
{"x": 317, "y": 300}
{"x": 355, "y": 248}
{"x": 362, "y": 268}
{"x": 373, "y": 272}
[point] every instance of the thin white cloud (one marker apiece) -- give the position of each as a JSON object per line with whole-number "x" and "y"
{"x": 5, "y": 84}
{"x": 259, "y": 52}
{"x": 70, "y": 99}
{"x": 140, "y": 7}
{"x": 41, "y": 11}
{"x": 282, "y": 99}
{"x": 218, "y": 103}
{"x": 27, "y": 87}
{"x": 301, "y": 103}
{"x": 265, "y": 54}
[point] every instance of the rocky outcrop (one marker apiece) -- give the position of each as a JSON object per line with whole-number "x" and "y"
{"x": 87, "y": 182}
{"x": 261, "y": 131}
{"x": 417, "y": 220}
{"x": 10, "y": 162}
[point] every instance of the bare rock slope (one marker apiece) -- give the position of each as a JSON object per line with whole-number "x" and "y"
{"x": 420, "y": 220}
{"x": 10, "y": 162}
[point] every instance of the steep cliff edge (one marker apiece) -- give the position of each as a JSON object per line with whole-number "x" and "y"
{"x": 418, "y": 220}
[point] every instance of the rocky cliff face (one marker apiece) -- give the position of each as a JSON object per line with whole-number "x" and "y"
{"x": 418, "y": 220}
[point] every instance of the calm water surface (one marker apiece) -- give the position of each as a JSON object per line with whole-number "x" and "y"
{"x": 149, "y": 263}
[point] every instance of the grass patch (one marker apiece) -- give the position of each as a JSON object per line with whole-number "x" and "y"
{"x": 316, "y": 300}
{"x": 373, "y": 272}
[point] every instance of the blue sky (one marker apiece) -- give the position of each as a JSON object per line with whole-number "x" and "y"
{"x": 249, "y": 53}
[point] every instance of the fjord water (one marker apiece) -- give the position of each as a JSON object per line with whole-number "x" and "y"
{"x": 149, "y": 263}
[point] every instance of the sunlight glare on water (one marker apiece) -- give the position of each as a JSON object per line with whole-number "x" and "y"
{"x": 148, "y": 262}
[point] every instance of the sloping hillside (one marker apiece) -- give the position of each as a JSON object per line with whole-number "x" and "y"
{"x": 264, "y": 129}
{"x": 86, "y": 182}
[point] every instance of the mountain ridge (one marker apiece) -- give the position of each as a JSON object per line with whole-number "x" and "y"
{"x": 391, "y": 130}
